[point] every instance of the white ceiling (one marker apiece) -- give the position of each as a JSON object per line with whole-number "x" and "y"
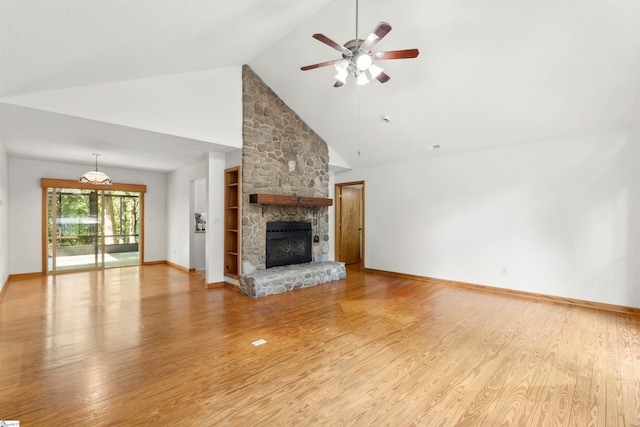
{"x": 489, "y": 74}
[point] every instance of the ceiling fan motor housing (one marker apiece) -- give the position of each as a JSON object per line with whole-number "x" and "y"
{"x": 353, "y": 46}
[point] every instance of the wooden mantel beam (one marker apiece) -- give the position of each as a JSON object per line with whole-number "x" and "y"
{"x": 276, "y": 199}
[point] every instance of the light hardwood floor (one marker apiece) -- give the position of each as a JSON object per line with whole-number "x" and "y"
{"x": 150, "y": 345}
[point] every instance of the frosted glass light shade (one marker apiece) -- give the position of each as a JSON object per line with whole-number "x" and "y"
{"x": 341, "y": 65}
{"x": 96, "y": 177}
{"x": 362, "y": 79}
{"x": 363, "y": 61}
{"x": 342, "y": 76}
{"x": 375, "y": 71}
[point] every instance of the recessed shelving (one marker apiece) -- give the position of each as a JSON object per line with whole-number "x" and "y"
{"x": 232, "y": 222}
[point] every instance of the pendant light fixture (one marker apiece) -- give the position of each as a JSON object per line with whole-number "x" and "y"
{"x": 96, "y": 177}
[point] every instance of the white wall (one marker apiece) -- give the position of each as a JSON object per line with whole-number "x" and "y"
{"x": 233, "y": 159}
{"x": 4, "y": 216}
{"x": 25, "y": 199}
{"x": 202, "y": 105}
{"x": 180, "y": 214}
{"x": 198, "y": 239}
{"x": 330, "y": 255}
{"x": 180, "y": 211}
{"x": 215, "y": 220}
{"x": 200, "y": 195}
{"x": 561, "y": 216}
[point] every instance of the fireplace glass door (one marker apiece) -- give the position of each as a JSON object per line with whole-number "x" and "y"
{"x": 288, "y": 243}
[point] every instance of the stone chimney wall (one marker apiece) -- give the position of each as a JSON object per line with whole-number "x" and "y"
{"x": 281, "y": 155}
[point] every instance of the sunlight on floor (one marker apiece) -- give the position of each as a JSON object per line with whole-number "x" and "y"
{"x": 120, "y": 259}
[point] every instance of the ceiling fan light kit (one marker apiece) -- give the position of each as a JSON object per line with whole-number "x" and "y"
{"x": 358, "y": 59}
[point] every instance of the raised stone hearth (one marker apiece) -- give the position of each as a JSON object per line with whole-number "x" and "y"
{"x": 291, "y": 277}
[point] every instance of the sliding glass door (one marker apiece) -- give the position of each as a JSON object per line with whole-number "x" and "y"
{"x": 91, "y": 228}
{"x": 75, "y": 229}
{"x": 121, "y": 221}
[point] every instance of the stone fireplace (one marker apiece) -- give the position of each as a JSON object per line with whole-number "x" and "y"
{"x": 281, "y": 155}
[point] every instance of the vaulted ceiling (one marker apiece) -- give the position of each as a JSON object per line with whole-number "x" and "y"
{"x": 490, "y": 73}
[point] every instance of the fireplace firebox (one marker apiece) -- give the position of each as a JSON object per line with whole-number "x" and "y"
{"x": 288, "y": 243}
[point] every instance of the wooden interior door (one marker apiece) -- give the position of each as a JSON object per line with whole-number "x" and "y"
{"x": 351, "y": 226}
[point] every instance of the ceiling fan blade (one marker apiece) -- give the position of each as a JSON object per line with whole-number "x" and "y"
{"x": 383, "y": 77}
{"x": 396, "y": 54}
{"x": 321, "y": 64}
{"x": 376, "y": 35}
{"x": 326, "y": 40}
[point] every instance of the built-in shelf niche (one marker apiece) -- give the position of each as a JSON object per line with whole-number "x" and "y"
{"x": 232, "y": 222}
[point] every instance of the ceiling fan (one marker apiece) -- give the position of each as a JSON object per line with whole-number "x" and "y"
{"x": 358, "y": 59}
